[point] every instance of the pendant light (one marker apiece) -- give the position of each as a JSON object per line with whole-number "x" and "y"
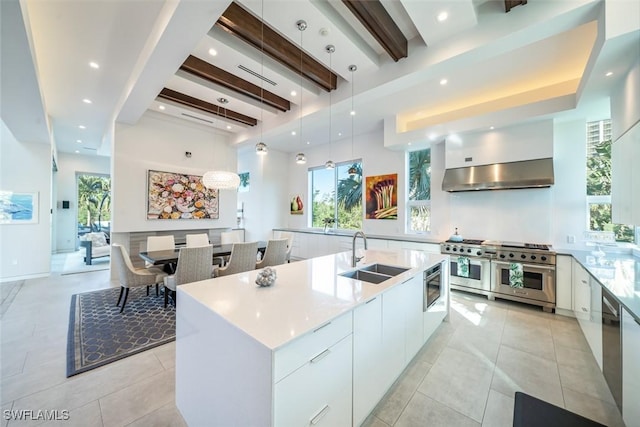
{"x": 352, "y": 68}
{"x": 221, "y": 179}
{"x": 330, "y": 164}
{"x": 261, "y": 147}
{"x": 300, "y": 157}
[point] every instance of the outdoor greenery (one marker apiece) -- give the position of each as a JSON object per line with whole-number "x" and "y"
{"x": 94, "y": 201}
{"x": 419, "y": 190}
{"x": 347, "y": 198}
{"x": 599, "y": 184}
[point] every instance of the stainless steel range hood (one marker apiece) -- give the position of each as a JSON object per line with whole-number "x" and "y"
{"x": 500, "y": 176}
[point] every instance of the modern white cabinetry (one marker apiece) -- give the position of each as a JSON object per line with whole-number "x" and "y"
{"x": 630, "y": 370}
{"x": 393, "y": 334}
{"x": 564, "y": 299}
{"x": 625, "y": 178}
{"x": 413, "y": 295}
{"x": 587, "y": 303}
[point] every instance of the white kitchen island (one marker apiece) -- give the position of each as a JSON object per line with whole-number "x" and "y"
{"x": 316, "y": 348}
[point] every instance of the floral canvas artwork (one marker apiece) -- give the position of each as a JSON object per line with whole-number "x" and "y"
{"x": 178, "y": 196}
{"x": 382, "y": 196}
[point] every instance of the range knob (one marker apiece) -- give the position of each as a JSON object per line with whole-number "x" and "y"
{"x": 510, "y": 255}
{"x": 455, "y": 249}
{"x": 533, "y": 257}
{"x": 502, "y": 255}
{"x": 469, "y": 250}
{"x": 448, "y": 248}
{"x": 544, "y": 258}
{"x": 479, "y": 253}
{"x": 523, "y": 256}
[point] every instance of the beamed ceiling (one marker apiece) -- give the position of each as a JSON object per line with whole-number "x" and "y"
{"x": 245, "y": 68}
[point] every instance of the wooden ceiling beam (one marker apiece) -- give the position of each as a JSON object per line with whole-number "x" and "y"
{"x": 382, "y": 27}
{"x": 242, "y": 24}
{"x": 209, "y": 72}
{"x": 207, "y": 107}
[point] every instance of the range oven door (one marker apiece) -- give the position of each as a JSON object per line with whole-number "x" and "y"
{"x": 539, "y": 281}
{"x": 479, "y": 274}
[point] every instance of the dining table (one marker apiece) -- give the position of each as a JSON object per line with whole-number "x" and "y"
{"x": 170, "y": 256}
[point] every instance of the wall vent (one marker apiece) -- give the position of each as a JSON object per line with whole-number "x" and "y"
{"x": 258, "y": 75}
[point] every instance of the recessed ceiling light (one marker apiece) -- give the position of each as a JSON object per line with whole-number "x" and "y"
{"x": 443, "y": 82}
{"x": 213, "y": 52}
{"x": 610, "y": 73}
{"x": 294, "y": 93}
{"x": 94, "y": 65}
{"x": 162, "y": 107}
{"x": 409, "y": 144}
{"x": 293, "y": 132}
{"x": 79, "y": 141}
{"x": 492, "y": 128}
{"x": 228, "y": 126}
{"x": 353, "y": 112}
{"x": 86, "y": 101}
{"x": 308, "y": 142}
{"x": 339, "y": 133}
{"x": 77, "y": 152}
{"x": 442, "y": 16}
{"x": 82, "y": 127}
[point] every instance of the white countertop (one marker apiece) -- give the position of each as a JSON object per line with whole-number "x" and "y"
{"x": 306, "y": 294}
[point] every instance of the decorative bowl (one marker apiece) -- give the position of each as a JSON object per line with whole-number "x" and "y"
{"x": 266, "y": 277}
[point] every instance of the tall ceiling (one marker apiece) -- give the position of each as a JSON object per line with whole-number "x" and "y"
{"x": 185, "y": 58}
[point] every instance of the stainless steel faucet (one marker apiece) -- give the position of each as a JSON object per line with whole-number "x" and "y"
{"x": 354, "y": 258}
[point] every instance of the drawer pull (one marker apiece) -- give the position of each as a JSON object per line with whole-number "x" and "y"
{"x": 585, "y": 310}
{"x": 320, "y": 327}
{"x": 315, "y": 420}
{"x": 583, "y": 281}
{"x": 371, "y": 300}
{"x": 320, "y": 356}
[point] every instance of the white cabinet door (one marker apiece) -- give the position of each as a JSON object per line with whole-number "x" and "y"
{"x": 413, "y": 295}
{"x": 581, "y": 295}
{"x": 630, "y": 370}
{"x": 299, "y": 247}
{"x": 319, "y": 393}
{"x": 368, "y": 387}
{"x": 393, "y": 330}
{"x": 564, "y": 298}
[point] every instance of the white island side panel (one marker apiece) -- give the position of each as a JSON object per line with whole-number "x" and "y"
{"x": 222, "y": 374}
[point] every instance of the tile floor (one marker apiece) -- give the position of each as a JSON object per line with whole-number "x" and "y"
{"x": 465, "y": 375}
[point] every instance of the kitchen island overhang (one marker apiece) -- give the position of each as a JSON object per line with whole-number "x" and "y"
{"x": 240, "y": 347}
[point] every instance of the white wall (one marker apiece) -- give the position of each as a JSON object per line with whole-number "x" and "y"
{"x": 25, "y": 248}
{"x": 266, "y": 203}
{"x": 65, "y": 220}
{"x": 159, "y": 142}
{"x": 625, "y": 102}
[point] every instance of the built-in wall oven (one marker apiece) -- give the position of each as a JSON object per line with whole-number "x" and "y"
{"x": 525, "y": 274}
{"x": 433, "y": 281}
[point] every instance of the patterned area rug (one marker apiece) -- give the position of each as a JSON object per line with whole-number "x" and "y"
{"x": 100, "y": 334}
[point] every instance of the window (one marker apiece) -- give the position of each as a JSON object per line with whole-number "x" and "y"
{"x": 599, "y": 182}
{"x": 337, "y": 196}
{"x": 419, "y": 195}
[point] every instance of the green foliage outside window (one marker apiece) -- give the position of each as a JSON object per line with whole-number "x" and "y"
{"x": 599, "y": 184}
{"x": 419, "y": 194}
{"x": 94, "y": 200}
{"x": 343, "y": 202}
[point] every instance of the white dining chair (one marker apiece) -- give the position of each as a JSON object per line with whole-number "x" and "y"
{"x": 275, "y": 254}
{"x": 160, "y": 243}
{"x": 227, "y": 238}
{"x": 289, "y": 236}
{"x": 243, "y": 258}
{"x": 194, "y": 264}
{"x": 197, "y": 240}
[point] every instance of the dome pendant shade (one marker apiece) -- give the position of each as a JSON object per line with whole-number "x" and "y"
{"x": 221, "y": 180}
{"x": 330, "y": 164}
{"x": 301, "y": 159}
{"x": 261, "y": 148}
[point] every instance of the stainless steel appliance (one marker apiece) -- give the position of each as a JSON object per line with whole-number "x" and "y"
{"x": 432, "y": 286}
{"x": 538, "y": 273}
{"x": 612, "y": 345}
{"x": 489, "y": 264}
{"x": 478, "y": 279}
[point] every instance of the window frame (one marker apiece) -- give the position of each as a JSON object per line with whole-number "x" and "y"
{"x": 409, "y": 204}
{"x": 335, "y": 190}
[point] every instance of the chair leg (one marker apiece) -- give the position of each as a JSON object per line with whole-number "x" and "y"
{"x": 157, "y": 290}
{"x": 147, "y": 290}
{"x": 126, "y": 294}
{"x": 120, "y": 296}
{"x": 166, "y": 297}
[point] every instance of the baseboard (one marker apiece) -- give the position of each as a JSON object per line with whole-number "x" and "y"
{"x": 28, "y": 276}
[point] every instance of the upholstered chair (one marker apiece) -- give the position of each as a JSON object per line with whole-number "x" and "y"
{"x": 131, "y": 277}
{"x": 243, "y": 258}
{"x": 196, "y": 240}
{"x": 275, "y": 254}
{"x": 289, "y": 236}
{"x": 194, "y": 264}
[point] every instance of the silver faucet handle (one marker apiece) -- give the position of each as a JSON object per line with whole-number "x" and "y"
{"x": 358, "y": 258}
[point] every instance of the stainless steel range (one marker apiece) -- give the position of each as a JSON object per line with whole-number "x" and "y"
{"x": 523, "y": 272}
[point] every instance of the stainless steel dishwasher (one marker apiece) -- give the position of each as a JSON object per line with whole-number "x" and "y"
{"x": 612, "y": 345}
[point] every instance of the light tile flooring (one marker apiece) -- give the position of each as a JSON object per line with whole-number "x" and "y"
{"x": 465, "y": 375}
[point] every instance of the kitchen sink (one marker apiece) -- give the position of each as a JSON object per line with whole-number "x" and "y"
{"x": 374, "y": 273}
{"x": 366, "y": 276}
{"x": 388, "y": 270}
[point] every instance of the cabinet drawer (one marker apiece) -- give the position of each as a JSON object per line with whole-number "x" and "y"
{"x": 319, "y": 393}
{"x": 294, "y": 355}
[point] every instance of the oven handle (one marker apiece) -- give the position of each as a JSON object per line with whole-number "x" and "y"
{"x": 531, "y": 266}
